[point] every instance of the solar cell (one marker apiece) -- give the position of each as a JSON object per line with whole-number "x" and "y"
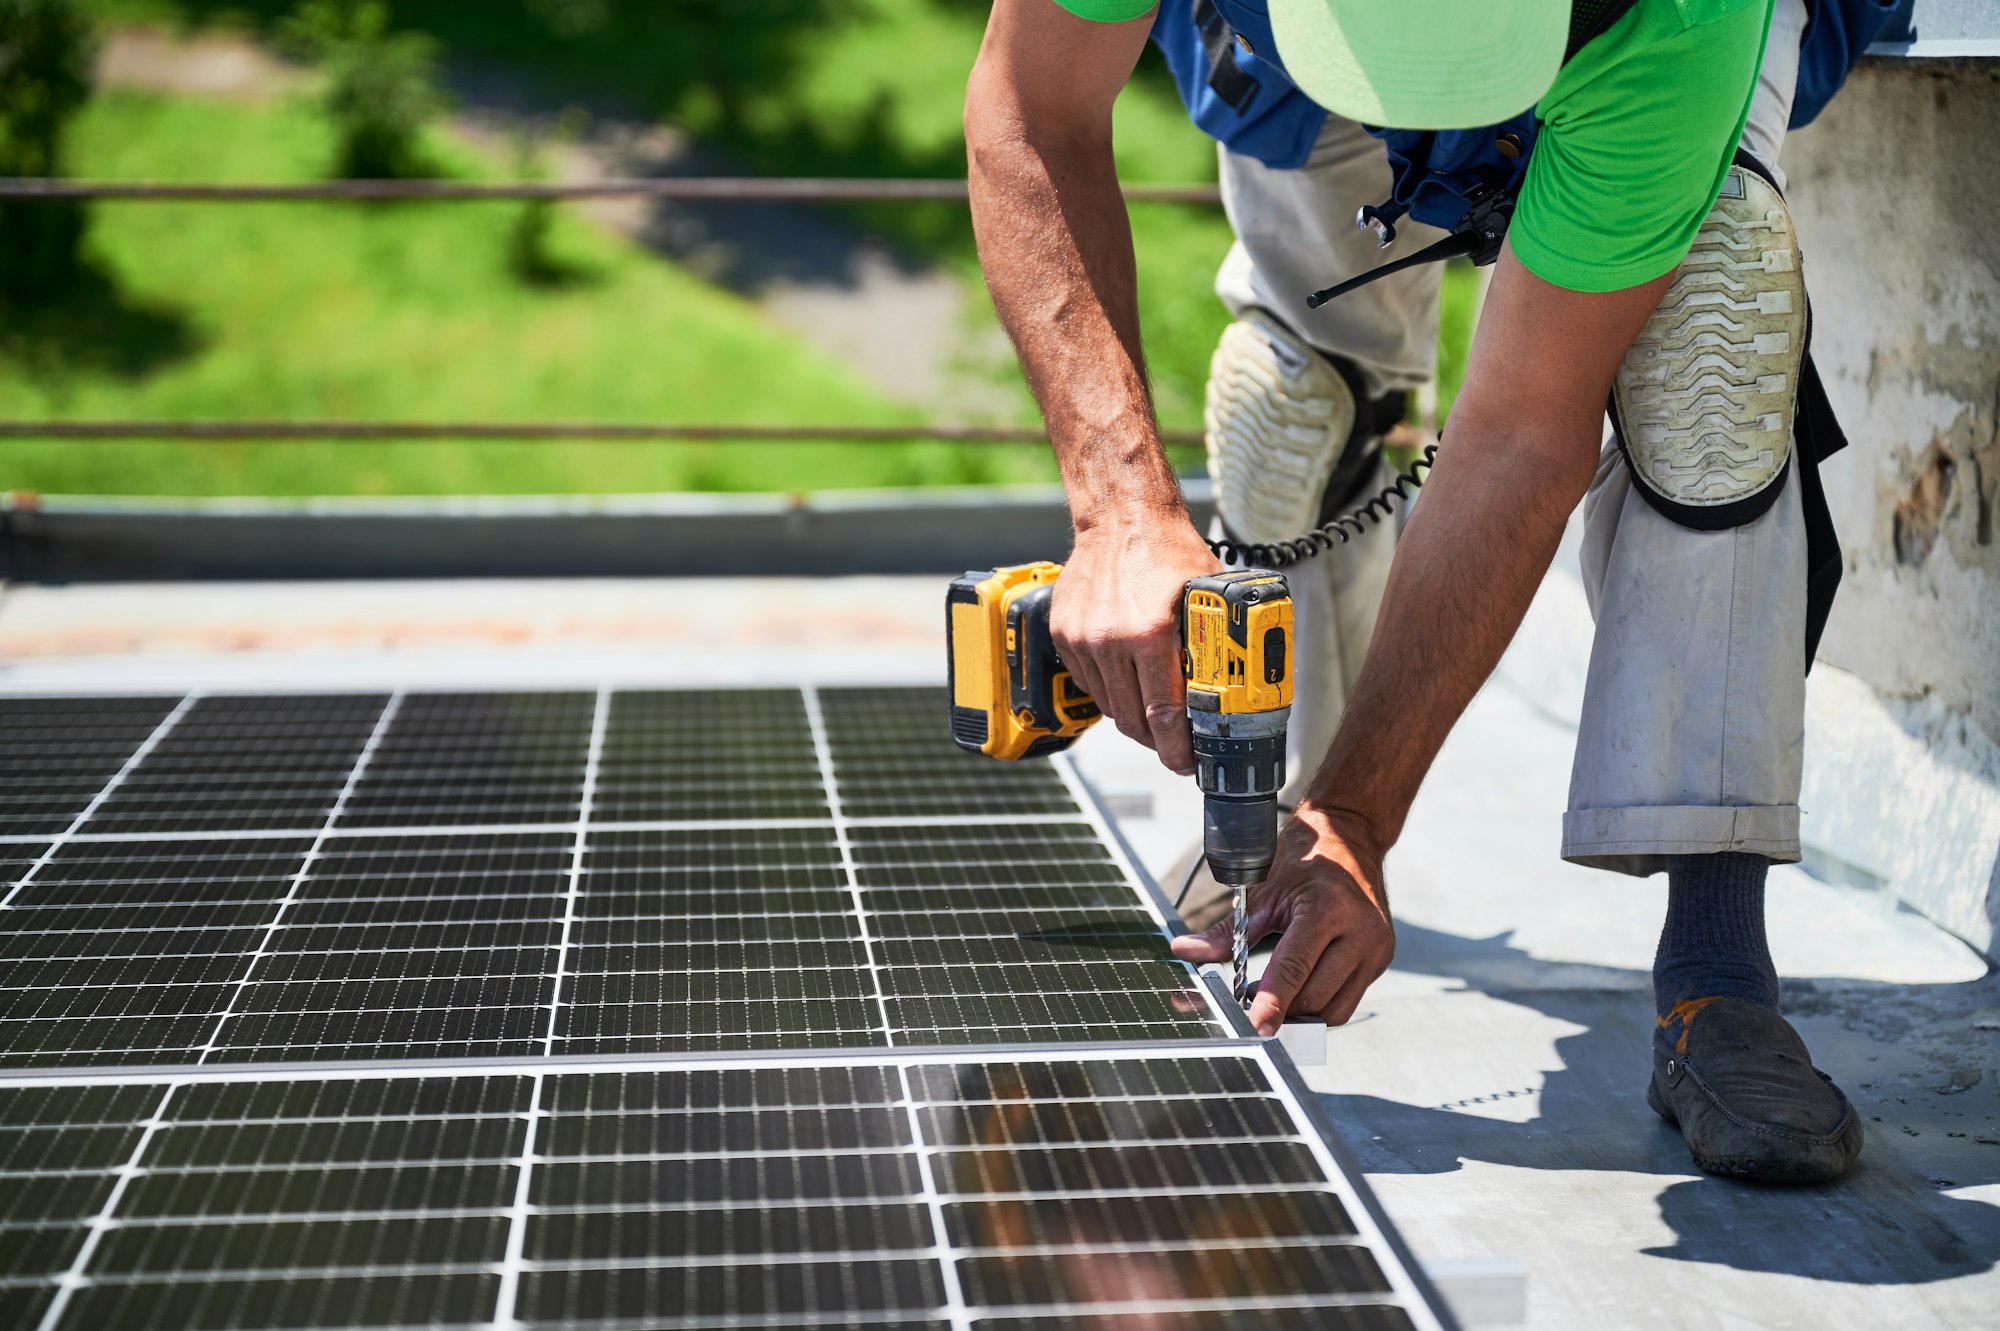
{"x": 240, "y": 763}
{"x": 129, "y": 951}
{"x": 1025, "y": 931}
{"x": 476, "y": 758}
{"x": 912, "y": 1189}
{"x": 61, "y": 1148}
{"x": 708, "y": 753}
{"x": 16, "y": 859}
{"x": 57, "y": 753}
{"x": 716, "y": 938}
{"x": 890, "y": 762}
{"x": 409, "y": 947}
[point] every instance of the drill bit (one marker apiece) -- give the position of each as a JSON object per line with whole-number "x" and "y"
{"x": 1239, "y": 900}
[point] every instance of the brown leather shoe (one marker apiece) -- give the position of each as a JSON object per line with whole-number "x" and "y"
{"x": 1742, "y": 1089}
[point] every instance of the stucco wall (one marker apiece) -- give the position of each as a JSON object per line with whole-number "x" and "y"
{"x": 1897, "y": 193}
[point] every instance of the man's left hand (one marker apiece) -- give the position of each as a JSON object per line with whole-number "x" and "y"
{"x": 1325, "y": 896}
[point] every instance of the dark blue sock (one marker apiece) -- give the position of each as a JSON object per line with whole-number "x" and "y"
{"x": 1713, "y": 944}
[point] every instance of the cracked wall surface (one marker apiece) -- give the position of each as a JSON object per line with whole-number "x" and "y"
{"x": 1897, "y": 189}
{"x": 1897, "y": 192}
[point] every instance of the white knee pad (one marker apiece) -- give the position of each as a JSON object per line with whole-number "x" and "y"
{"x": 1706, "y": 395}
{"x": 1278, "y": 418}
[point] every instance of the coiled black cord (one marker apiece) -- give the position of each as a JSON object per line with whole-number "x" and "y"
{"x": 1256, "y": 554}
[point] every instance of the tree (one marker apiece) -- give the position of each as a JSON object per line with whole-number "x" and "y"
{"x": 710, "y": 57}
{"x": 46, "y": 55}
{"x": 381, "y": 86}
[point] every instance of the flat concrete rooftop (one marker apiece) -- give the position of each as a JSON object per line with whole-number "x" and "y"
{"x": 1491, "y": 1083}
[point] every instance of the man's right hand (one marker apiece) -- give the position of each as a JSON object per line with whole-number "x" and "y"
{"x": 1115, "y": 618}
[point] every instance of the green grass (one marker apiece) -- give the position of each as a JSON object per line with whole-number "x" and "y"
{"x": 826, "y": 87}
{"x": 407, "y": 312}
{"x": 300, "y": 311}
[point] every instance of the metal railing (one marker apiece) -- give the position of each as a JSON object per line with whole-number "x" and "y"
{"x": 726, "y": 189}
{"x": 532, "y": 431}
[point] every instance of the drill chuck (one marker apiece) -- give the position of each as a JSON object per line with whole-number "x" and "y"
{"x": 1239, "y": 766}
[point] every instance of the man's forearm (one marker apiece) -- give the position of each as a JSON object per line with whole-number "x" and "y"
{"x": 1520, "y": 450}
{"x": 1056, "y": 247}
{"x": 1466, "y": 569}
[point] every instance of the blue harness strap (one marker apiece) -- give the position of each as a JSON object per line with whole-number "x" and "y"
{"x": 1222, "y": 57}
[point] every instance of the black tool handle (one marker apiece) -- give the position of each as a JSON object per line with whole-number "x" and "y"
{"x": 1453, "y": 245}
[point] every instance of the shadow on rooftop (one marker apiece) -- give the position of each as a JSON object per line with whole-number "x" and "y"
{"x": 1889, "y": 1222}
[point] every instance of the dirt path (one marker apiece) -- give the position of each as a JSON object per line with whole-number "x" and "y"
{"x": 916, "y": 332}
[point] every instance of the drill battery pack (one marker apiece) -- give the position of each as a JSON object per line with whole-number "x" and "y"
{"x": 1236, "y": 640}
{"x": 1011, "y": 696}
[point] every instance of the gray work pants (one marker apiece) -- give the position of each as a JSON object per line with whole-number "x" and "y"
{"x": 1693, "y": 716}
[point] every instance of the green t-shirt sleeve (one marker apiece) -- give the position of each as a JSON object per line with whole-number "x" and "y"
{"x": 1108, "y": 11}
{"x": 1637, "y": 133}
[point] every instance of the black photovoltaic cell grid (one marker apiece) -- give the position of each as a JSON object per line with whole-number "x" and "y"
{"x": 130, "y": 951}
{"x": 378, "y": 877}
{"x": 661, "y": 758}
{"x": 1082, "y": 1192}
{"x": 737, "y": 912}
{"x": 476, "y": 758}
{"x": 242, "y": 764}
{"x": 893, "y": 763}
{"x": 59, "y": 752}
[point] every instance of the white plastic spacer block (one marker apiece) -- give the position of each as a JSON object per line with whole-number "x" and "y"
{"x": 1305, "y": 1040}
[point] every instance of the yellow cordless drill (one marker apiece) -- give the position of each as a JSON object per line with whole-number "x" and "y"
{"x": 1012, "y": 698}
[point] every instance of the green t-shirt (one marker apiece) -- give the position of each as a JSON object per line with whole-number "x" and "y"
{"x": 1637, "y": 131}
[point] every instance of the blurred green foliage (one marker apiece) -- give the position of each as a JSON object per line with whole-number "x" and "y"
{"x": 829, "y": 88}
{"x": 381, "y": 86}
{"x": 326, "y": 310}
{"x": 531, "y": 253}
{"x": 784, "y": 87}
{"x": 46, "y": 53}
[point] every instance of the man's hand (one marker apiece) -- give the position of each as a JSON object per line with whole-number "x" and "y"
{"x": 1116, "y": 623}
{"x": 1325, "y": 896}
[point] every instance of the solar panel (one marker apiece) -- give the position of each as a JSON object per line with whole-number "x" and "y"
{"x": 631, "y": 1008}
{"x": 504, "y": 874}
{"x": 906, "y": 1188}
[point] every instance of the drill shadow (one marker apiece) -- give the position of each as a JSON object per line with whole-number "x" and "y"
{"x": 1888, "y": 1222}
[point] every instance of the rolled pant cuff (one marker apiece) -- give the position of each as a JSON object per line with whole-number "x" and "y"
{"x": 1638, "y": 840}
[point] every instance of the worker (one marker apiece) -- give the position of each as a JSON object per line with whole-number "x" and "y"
{"x": 1648, "y": 265}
